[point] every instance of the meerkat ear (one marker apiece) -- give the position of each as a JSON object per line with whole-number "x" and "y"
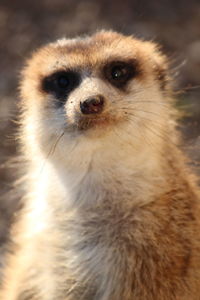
{"x": 162, "y": 71}
{"x": 160, "y": 66}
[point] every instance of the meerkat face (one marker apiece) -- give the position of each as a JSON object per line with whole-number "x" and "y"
{"x": 94, "y": 86}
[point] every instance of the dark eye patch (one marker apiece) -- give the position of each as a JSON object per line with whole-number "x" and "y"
{"x": 60, "y": 84}
{"x": 118, "y": 73}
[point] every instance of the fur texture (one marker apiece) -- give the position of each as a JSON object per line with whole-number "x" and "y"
{"x": 111, "y": 211}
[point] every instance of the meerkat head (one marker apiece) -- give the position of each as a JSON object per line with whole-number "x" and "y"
{"x": 91, "y": 88}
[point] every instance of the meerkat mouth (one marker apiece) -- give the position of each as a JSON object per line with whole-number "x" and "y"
{"x": 93, "y": 122}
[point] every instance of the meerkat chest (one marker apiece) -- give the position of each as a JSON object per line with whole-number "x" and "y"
{"x": 110, "y": 254}
{"x": 99, "y": 254}
{"x": 114, "y": 250}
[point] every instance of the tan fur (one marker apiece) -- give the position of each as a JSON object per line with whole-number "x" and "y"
{"x": 111, "y": 211}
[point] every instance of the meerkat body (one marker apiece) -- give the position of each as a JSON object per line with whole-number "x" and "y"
{"x": 111, "y": 212}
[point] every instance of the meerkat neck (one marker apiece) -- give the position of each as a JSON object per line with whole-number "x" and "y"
{"x": 92, "y": 169}
{"x": 91, "y": 178}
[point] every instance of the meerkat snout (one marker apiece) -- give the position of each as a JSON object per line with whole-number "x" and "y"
{"x": 92, "y": 105}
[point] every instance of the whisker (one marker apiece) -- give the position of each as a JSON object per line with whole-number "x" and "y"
{"x": 146, "y": 139}
{"x": 56, "y": 143}
{"x": 148, "y": 101}
{"x": 52, "y": 150}
{"x": 153, "y": 121}
{"x": 140, "y": 110}
{"x": 164, "y": 134}
{"x": 121, "y": 138}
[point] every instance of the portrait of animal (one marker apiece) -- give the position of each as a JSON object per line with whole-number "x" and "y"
{"x": 111, "y": 208}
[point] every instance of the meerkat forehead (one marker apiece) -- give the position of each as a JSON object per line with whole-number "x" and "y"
{"x": 92, "y": 52}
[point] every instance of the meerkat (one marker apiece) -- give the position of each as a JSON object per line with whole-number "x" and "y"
{"x": 111, "y": 211}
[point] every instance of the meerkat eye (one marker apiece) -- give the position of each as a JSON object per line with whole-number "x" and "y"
{"x": 119, "y": 73}
{"x": 63, "y": 81}
{"x": 61, "y": 84}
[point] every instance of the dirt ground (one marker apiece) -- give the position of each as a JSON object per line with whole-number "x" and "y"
{"x": 25, "y": 25}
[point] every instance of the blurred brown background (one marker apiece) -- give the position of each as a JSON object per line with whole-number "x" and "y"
{"x": 25, "y": 25}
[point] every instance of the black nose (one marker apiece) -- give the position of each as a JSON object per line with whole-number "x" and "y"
{"x": 92, "y": 105}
